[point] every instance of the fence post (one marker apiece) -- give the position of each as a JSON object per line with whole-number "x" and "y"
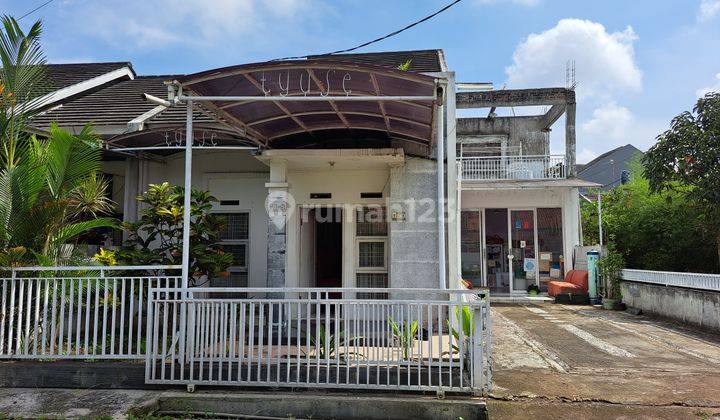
{"x": 477, "y": 350}
{"x": 149, "y": 335}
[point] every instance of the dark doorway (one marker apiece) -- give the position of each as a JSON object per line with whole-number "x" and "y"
{"x": 328, "y": 247}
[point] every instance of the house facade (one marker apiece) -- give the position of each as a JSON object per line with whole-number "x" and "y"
{"x": 374, "y": 192}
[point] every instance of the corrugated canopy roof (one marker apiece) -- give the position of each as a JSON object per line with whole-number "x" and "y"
{"x": 269, "y": 121}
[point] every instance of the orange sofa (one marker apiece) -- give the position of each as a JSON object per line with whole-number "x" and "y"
{"x": 576, "y": 283}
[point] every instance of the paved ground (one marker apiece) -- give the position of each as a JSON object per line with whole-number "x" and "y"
{"x": 70, "y": 403}
{"x": 553, "y": 358}
{"x": 551, "y": 361}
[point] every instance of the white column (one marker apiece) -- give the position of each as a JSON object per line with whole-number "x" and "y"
{"x": 440, "y": 131}
{"x": 453, "y": 202}
{"x": 571, "y": 224}
{"x": 188, "y": 193}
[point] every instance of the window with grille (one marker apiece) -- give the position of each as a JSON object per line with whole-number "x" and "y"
{"x": 235, "y": 239}
{"x": 234, "y": 226}
{"x": 373, "y": 280}
{"x": 371, "y": 245}
{"x": 371, "y": 254}
{"x": 371, "y": 221}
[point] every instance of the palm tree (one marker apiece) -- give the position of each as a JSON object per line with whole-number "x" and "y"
{"x": 51, "y": 196}
{"x": 22, "y": 82}
{"x": 50, "y": 191}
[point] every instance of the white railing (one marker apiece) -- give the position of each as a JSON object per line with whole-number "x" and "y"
{"x": 422, "y": 339}
{"x": 669, "y": 278}
{"x": 503, "y": 168}
{"x": 77, "y": 312}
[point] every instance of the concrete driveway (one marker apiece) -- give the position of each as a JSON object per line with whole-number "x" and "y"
{"x": 549, "y": 359}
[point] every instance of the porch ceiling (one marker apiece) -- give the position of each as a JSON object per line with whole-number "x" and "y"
{"x": 266, "y": 122}
{"x": 335, "y": 158}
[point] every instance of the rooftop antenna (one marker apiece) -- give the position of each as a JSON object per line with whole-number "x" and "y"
{"x": 570, "y": 82}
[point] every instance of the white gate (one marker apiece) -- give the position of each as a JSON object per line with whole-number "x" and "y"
{"x": 388, "y": 339}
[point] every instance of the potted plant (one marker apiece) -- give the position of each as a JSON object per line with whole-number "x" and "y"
{"x": 609, "y": 268}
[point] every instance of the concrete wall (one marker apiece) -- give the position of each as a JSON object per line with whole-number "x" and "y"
{"x": 698, "y": 307}
{"x": 521, "y": 131}
{"x": 414, "y": 242}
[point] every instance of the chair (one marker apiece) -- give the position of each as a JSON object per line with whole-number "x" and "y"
{"x": 576, "y": 283}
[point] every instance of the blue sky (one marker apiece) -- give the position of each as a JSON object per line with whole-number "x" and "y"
{"x": 638, "y": 63}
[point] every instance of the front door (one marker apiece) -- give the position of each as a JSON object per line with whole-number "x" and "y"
{"x": 484, "y": 249}
{"x": 522, "y": 257}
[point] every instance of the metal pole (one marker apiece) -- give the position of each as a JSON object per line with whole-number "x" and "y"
{"x": 441, "y": 196}
{"x": 188, "y": 191}
{"x": 304, "y": 98}
{"x": 599, "y": 200}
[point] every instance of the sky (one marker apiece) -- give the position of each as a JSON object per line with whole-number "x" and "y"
{"x": 638, "y": 62}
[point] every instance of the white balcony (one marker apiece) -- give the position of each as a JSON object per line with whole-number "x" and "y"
{"x": 509, "y": 168}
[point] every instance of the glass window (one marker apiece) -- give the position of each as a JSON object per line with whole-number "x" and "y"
{"x": 234, "y": 239}
{"x": 371, "y": 254}
{"x": 371, "y": 246}
{"x": 371, "y": 221}
{"x": 372, "y": 280}
{"x": 234, "y": 226}
{"x": 470, "y": 247}
{"x": 550, "y": 245}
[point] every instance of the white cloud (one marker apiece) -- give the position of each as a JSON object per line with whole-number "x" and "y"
{"x": 585, "y": 156}
{"x": 708, "y": 9}
{"x": 605, "y": 62}
{"x": 609, "y": 121}
{"x": 154, "y": 25}
{"x": 612, "y": 125}
{"x": 712, "y": 88}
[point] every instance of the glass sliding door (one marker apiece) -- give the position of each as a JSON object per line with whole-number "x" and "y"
{"x": 496, "y": 250}
{"x": 550, "y": 244}
{"x": 523, "y": 249}
{"x": 471, "y": 256}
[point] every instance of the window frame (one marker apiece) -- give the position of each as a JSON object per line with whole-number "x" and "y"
{"x": 222, "y": 242}
{"x": 385, "y": 240}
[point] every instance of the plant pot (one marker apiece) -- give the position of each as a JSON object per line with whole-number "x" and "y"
{"x": 609, "y": 304}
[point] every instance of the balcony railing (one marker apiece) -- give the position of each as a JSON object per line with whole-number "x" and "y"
{"x": 504, "y": 168}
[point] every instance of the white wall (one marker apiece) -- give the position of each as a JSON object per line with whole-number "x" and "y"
{"x": 345, "y": 187}
{"x": 229, "y": 175}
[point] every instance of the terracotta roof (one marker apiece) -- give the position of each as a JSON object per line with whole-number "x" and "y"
{"x": 422, "y": 61}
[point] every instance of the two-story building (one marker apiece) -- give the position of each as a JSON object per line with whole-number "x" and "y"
{"x": 519, "y": 217}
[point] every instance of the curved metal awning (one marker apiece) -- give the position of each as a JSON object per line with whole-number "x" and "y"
{"x": 323, "y": 94}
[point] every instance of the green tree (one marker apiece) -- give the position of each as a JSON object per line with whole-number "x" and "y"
{"x": 50, "y": 191}
{"x": 686, "y": 158}
{"x": 157, "y": 237}
{"x": 50, "y": 196}
{"x": 655, "y": 231}
{"x": 22, "y": 81}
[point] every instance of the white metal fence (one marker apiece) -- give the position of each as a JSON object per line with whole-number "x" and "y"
{"x": 422, "y": 339}
{"x": 77, "y": 312}
{"x": 501, "y": 168}
{"x": 668, "y": 278}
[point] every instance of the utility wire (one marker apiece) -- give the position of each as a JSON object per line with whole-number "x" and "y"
{"x": 426, "y": 18}
{"x": 35, "y": 9}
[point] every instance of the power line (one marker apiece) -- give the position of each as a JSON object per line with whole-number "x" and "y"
{"x": 426, "y": 18}
{"x": 35, "y": 9}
